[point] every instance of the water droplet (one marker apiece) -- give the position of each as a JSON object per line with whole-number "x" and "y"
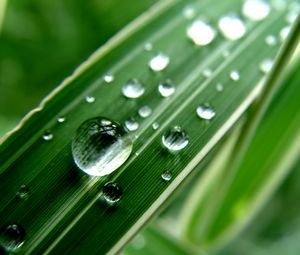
{"x": 133, "y": 89}
{"x": 175, "y": 139}
{"x": 47, "y": 136}
{"x": 108, "y": 78}
{"x": 166, "y": 176}
{"x": 279, "y": 5}
{"x": 266, "y": 65}
{"x": 234, "y": 75}
{"x": 226, "y": 53}
{"x": 145, "y": 111}
{"x": 271, "y": 40}
{"x": 90, "y": 99}
{"x": 112, "y": 193}
{"x": 159, "y": 62}
{"x": 219, "y": 87}
{"x": 100, "y": 146}
{"x": 155, "y": 125}
{"x": 205, "y": 111}
{"x": 292, "y": 16}
{"x": 61, "y": 119}
{"x": 23, "y": 192}
{"x": 201, "y": 32}
{"x": 131, "y": 124}
{"x": 207, "y": 72}
{"x": 189, "y": 12}
{"x": 232, "y": 27}
{"x": 138, "y": 242}
{"x": 166, "y": 88}
{"x": 256, "y": 9}
{"x": 12, "y": 237}
{"x": 148, "y": 46}
{"x": 284, "y": 32}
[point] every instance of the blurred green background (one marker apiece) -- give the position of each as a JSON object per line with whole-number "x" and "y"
{"x": 42, "y": 42}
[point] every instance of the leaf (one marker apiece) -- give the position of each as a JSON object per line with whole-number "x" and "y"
{"x": 63, "y": 206}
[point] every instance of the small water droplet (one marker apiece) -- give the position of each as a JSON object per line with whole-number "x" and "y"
{"x": 159, "y": 62}
{"x": 266, "y": 65}
{"x": 131, "y": 124}
{"x": 166, "y": 176}
{"x": 256, "y": 10}
{"x": 271, "y": 40}
{"x": 138, "y": 242}
{"x": 234, "y": 75}
{"x": 23, "y": 192}
{"x": 90, "y": 99}
{"x": 108, "y": 78}
{"x": 175, "y": 139}
{"x": 292, "y": 16}
{"x": 112, "y": 193}
{"x": 284, "y": 32}
{"x": 279, "y": 5}
{"x": 133, "y": 89}
{"x": 232, "y": 27}
{"x": 148, "y": 46}
{"x": 189, "y": 12}
{"x": 220, "y": 87}
{"x": 155, "y": 125}
{"x": 226, "y": 53}
{"x": 201, "y": 32}
{"x": 61, "y": 119}
{"x": 205, "y": 111}
{"x": 47, "y": 136}
{"x": 166, "y": 88}
{"x": 207, "y": 72}
{"x": 12, "y": 237}
{"x": 100, "y": 146}
{"x": 145, "y": 111}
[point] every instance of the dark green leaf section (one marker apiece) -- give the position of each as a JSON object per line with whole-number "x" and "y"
{"x": 63, "y": 206}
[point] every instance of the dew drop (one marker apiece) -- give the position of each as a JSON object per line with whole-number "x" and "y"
{"x": 201, "y": 32}
{"x": 100, "y": 146}
{"x": 207, "y": 72}
{"x": 133, "y": 89}
{"x": 189, "y": 12}
{"x": 166, "y": 176}
{"x": 148, "y": 46}
{"x": 155, "y": 125}
{"x": 131, "y": 124}
{"x": 108, "y": 78}
{"x": 284, "y": 32}
{"x": 47, "y": 136}
{"x": 12, "y": 237}
{"x": 232, "y": 27}
{"x": 90, "y": 99}
{"x": 23, "y": 192}
{"x": 256, "y": 10}
{"x": 112, "y": 193}
{"x": 271, "y": 40}
{"x": 166, "y": 88}
{"x": 175, "y": 139}
{"x": 220, "y": 87}
{"x": 205, "y": 111}
{"x": 266, "y": 65}
{"x": 61, "y": 119}
{"x": 234, "y": 75}
{"x": 159, "y": 62}
{"x": 145, "y": 111}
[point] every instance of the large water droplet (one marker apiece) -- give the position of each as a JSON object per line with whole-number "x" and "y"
{"x": 166, "y": 88}
{"x": 47, "y": 136}
{"x": 175, "y": 139}
{"x": 205, "y": 111}
{"x": 166, "y": 176}
{"x": 234, "y": 75}
{"x": 12, "y": 237}
{"x": 90, "y": 99}
{"x": 266, "y": 65}
{"x": 108, "y": 78}
{"x": 145, "y": 111}
{"x": 256, "y": 9}
{"x": 133, "y": 89}
{"x": 232, "y": 27}
{"x": 201, "y": 32}
{"x": 100, "y": 146}
{"x": 131, "y": 124}
{"x": 159, "y": 62}
{"x": 112, "y": 193}
{"x": 23, "y": 192}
